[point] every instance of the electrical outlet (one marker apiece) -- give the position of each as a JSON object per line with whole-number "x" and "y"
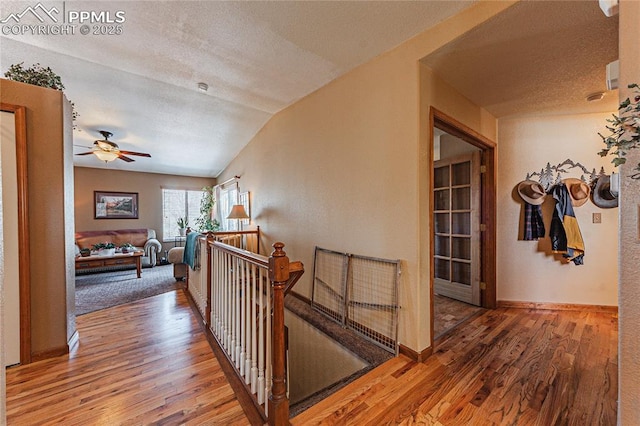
{"x": 597, "y": 218}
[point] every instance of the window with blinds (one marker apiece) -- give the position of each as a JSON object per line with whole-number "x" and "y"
{"x": 228, "y": 197}
{"x": 177, "y": 203}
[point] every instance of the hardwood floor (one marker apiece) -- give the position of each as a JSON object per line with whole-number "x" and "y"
{"x": 504, "y": 367}
{"x": 146, "y": 362}
{"x": 149, "y": 363}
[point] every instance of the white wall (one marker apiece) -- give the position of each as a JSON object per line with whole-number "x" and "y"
{"x": 526, "y": 270}
{"x": 345, "y": 168}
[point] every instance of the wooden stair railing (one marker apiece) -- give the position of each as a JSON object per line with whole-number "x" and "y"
{"x": 245, "y": 314}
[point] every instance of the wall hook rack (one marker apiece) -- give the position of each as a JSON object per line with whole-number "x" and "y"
{"x": 549, "y": 176}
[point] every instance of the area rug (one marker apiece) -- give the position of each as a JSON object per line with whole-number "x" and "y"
{"x": 103, "y": 290}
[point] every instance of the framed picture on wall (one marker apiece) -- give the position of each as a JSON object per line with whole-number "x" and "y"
{"x": 115, "y": 205}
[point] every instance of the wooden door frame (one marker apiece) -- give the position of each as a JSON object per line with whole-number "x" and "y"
{"x": 488, "y": 207}
{"x": 20, "y": 117}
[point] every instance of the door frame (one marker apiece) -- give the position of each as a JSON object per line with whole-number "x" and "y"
{"x": 20, "y": 116}
{"x": 488, "y": 208}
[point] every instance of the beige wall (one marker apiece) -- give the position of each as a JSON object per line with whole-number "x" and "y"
{"x": 526, "y": 270}
{"x": 341, "y": 168}
{"x": 48, "y": 160}
{"x": 629, "y": 372}
{"x": 148, "y": 186}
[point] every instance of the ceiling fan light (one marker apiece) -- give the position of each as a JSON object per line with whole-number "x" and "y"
{"x": 105, "y": 156}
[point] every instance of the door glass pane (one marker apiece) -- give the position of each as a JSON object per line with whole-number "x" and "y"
{"x": 442, "y": 223}
{"x": 442, "y": 269}
{"x": 441, "y": 199}
{"x": 461, "y": 198}
{"x": 461, "y": 174}
{"x": 442, "y": 246}
{"x": 441, "y": 177}
{"x": 461, "y": 272}
{"x": 461, "y": 248}
{"x": 461, "y": 223}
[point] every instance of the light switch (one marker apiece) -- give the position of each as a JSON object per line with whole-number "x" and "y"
{"x": 597, "y": 218}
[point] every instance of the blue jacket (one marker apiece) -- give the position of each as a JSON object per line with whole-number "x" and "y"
{"x": 565, "y": 232}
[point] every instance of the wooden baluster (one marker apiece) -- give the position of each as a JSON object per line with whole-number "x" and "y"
{"x": 261, "y": 343}
{"x": 278, "y": 275}
{"x": 207, "y": 314}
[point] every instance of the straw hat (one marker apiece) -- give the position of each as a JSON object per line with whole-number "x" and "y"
{"x": 531, "y": 192}
{"x": 602, "y": 196}
{"x": 578, "y": 191}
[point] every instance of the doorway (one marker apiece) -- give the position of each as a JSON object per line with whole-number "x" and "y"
{"x": 463, "y": 233}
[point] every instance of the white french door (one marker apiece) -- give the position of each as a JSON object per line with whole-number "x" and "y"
{"x": 456, "y": 224}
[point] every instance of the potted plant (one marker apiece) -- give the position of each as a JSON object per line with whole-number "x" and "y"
{"x": 127, "y": 247}
{"x": 625, "y": 131}
{"x": 205, "y": 222}
{"x": 104, "y": 249}
{"x": 85, "y": 252}
{"x": 183, "y": 222}
{"x": 39, "y": 76}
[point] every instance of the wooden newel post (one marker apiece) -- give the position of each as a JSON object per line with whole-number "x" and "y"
{"x": 207, "y": 311}
{"x": 278, "y": 275}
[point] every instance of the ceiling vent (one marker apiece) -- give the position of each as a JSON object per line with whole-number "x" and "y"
{"x": 613, "y": 75}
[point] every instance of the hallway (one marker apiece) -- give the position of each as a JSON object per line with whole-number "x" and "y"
{"x": 503, "y": 367}
{"x": 140, "y": 363}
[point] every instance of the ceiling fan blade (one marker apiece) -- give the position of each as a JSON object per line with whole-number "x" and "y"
{"x": 85, "y": 153}
{"x": 141, "y": 154}
{"x": 125, "y": 158}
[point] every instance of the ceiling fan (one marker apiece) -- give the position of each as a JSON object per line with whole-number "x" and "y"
{"x": 108, "y": 151}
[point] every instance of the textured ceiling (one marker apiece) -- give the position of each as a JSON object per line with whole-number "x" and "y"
{"x": 537, "y": 56}
{"x": 260, "y": 57}
{"x": 256, "y": 57}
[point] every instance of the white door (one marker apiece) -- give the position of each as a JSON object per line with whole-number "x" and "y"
{"x": 11, "y": 278}
{"x": 456, "y": 224}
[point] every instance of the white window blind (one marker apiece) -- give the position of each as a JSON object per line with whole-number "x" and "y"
{"x": 177, "y": 203}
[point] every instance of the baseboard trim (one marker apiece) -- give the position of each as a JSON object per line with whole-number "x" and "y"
{"x": 416, "y": 356}
{"x": 74, "y": 340}
{"x": 556, "y": 306}
{"x": 51, "y": 353}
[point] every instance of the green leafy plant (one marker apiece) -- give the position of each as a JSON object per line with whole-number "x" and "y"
{"x": 183, "y": 222}
{"x": 625, "y": 131}
{"x": 204, "y": 222}
{"x": 39, "y": 76}
{"x": 105, "y": 245}
{"x": 126, "y": 247}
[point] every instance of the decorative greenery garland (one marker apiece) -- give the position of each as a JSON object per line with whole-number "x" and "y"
{"x": 39, "y": 76}
{"x": 625, "y": 131}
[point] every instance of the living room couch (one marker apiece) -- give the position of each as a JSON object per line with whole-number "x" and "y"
{"x": 143, "y": 239}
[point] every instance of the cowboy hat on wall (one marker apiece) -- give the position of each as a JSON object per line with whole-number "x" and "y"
{"x": 579, "y": 191}
{"x": 602, "y": 195}
{"x": 532, "y": 192}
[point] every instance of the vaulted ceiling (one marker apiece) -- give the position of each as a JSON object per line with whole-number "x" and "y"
{"x": 259, "y": 57}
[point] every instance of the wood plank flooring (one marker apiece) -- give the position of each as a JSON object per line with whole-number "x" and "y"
{"x": 149, "y": 363}
{"x": 146, "y": 362}
{"x": 504, "y": 367}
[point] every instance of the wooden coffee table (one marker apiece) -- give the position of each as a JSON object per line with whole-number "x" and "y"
{"x": 89, "y": 262}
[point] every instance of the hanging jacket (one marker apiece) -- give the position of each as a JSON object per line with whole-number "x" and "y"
{"x": 533, "y": 224}
{"x": 565, "y": 233}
